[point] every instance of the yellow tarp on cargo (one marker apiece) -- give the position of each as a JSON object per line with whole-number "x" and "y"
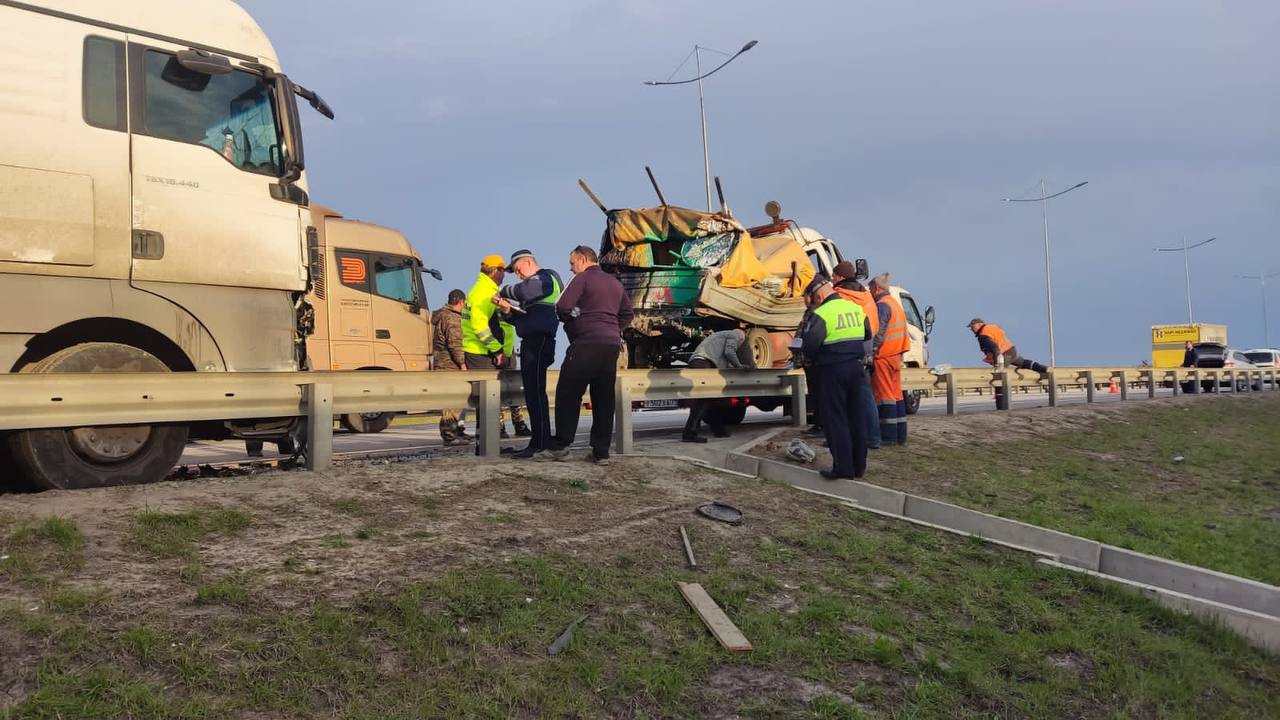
{"x": 782, "y": 257}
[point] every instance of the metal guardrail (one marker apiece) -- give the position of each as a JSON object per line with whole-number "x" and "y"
{"x": 76, "y": 400}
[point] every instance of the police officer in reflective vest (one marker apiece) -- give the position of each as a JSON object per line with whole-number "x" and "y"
{"x": 892, "y": 342}
{"x": 833, "y": 337}
{"x": 536, "y": 323}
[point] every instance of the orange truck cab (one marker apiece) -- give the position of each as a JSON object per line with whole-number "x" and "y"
{"x": 370, "y": 306}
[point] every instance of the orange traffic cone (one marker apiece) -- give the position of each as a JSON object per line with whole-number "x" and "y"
{"x": 1114, "y": 389}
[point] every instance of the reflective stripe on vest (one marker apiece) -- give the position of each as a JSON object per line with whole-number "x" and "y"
{"x": 896, "y": 340}
{"x": 997, "y": 336}
{"x": 866, "y": 302}
{"x": 555, "y": 292}
{"x": 845, "y": 320}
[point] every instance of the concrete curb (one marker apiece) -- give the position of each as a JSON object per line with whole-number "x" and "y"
{"x": 1250, "y": 607}
{"x": 1260, "y": 629}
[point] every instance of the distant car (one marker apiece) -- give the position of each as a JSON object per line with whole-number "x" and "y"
{"x": 1264, "y": 357}
{"x": 1237, "y": 360}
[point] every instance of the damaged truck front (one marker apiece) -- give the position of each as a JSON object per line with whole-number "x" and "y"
{"x": 691, "y": 273}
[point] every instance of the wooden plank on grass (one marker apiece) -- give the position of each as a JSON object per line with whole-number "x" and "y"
{"x": 720, "y": 625}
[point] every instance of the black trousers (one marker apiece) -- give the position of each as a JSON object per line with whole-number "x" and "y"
{"x": 812, "y": 378}
{"x": 594, "y": 367}
{"x": 537, "y": 352}
{"x": 698, "y": 408}
{"x": 841, "y": 405}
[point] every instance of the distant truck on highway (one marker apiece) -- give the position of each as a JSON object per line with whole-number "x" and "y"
{"x": 153, "y": 216}
{"x": 370, "y": 304}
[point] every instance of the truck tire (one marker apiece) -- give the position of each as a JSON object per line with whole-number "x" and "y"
{"x": 89, "y": 457}
{"x": 367, "y": 423}
{"x": 761, "y": 345}
{"x": 912, "y": 400}
{"x": 731, "y": 414}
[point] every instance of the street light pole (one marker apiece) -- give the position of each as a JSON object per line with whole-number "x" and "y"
{"x": 702, "y": 106}
{"x": 1048, "y": 271}
{"x": 1262, "y": 282}
{"x": 1186, "y": 268}
{"x": 702, "y": 110}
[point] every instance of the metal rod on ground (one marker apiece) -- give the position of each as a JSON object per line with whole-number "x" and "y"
{"x": 688, "y": 549}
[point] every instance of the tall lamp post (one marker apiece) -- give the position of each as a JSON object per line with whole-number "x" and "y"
{"x": 1186, "y": 267}
{"x": 1262, "y": 281}
{"x": 702, "y": 107}
{"x": 1048, "y": 272}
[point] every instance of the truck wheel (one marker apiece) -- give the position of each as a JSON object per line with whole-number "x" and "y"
{"x": 761, "y": 345}
{"x": 731, "y": 414}
{"x": 363, "y": 423}
{"x": 912, "y": 399}
{"x": 89, "y": 457}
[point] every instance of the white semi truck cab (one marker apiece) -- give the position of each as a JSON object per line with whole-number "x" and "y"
{"x": 153, "y": 214}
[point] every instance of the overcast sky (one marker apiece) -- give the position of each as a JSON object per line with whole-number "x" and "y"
{"x": 893, "y": 128}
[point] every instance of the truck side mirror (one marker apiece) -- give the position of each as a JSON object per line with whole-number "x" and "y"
{"x": 860, "y": 269}
{"x": 434, "y": 273}
{"x": 929, "y": 317}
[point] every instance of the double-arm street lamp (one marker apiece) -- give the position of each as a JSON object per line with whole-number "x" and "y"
{"x": 1048, "y": 272}
{"x": 1262, "y": 280}
{"x": 1186, "y": 267}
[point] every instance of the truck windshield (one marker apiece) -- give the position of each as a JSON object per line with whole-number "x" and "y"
{"x": 232, "y": 114}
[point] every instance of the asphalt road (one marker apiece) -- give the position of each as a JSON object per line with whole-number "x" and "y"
{"x": 426, "y": 436}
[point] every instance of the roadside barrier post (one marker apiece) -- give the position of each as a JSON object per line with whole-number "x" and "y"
{"x": 623, "y": 425}
{"x": 799, "y": 402}
{"x": 1002, "y": 382}
{"x": 1088, "y": 386}
{"x": 1053, "y": 387}
{"x": 1151, "y": 384}
{"x": 488, "y": 414}
{"x": 1177, "y": 384}
{"x": 319, "y": 400}
{"x": 951, "y": 393}
{"x": 1124, "y": 386}
{"x": 1195, "y": 378}
{"x": 1217, "y": 381}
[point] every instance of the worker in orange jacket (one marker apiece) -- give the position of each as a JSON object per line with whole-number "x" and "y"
{"x": 998, "y": 350}
{"x": 847, "y": 286}
{"x": 892, "y": 342}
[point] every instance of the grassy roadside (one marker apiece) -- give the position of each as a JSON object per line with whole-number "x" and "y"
{"x": 1196, "y": 481}
{"x": 851, "y": 616}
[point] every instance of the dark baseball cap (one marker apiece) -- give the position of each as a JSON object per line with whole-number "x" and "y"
{"x": 975, "y": 321}
{"x": 521, "y": 253}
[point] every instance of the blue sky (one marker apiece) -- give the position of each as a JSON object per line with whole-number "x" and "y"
{"x": 894, "y": 128}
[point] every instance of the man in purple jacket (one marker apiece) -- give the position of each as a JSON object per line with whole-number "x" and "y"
{"x": 595, "y": 310}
